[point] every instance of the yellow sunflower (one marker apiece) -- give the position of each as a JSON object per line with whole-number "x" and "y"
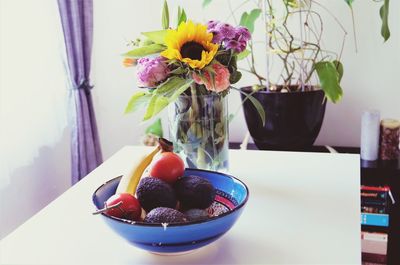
{"x": 191, "y": 44}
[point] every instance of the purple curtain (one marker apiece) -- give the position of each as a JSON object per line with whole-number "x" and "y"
{"x": 77, "y": 22}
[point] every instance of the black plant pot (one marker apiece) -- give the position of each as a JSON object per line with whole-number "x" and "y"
{"x": 293, "y": 120}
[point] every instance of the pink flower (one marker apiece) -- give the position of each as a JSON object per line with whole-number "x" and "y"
{"x": 221, "y": 79}
{"x": 151, "y": 71}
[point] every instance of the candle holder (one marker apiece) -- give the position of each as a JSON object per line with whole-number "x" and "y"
{"x": 370, "y": 123}
{"x": 389, "y": 139}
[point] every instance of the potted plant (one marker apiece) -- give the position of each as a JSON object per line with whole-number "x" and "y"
{"x": 293, "y": 92}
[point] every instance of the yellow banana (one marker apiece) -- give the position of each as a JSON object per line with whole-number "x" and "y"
{"x": 130, "y": 180}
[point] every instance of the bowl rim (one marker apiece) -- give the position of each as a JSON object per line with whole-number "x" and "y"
{"x": 141, "y": 223}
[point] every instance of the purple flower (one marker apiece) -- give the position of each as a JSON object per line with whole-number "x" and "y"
{"x": 211, "y": 24}
{"x": 242, "y": 33}
{"x": 230, "y": 37}
{"x": 151, "y": 71}
{"x": 217, "y": 37}
{"x": 227, "y": 31}
{"x": 237, "y": 46}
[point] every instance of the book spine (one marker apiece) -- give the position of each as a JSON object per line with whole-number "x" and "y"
{"x": 375, "y": 188}
{"x": 372, "y": 202}
{"x": 374, "y": 236}
{"x": 373, "y": 209}
{"x": 372, "y": 257}
{"x": 374, "y": 195}
{"x": 375, "y": 219}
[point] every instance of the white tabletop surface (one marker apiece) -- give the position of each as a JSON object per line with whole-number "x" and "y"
{"x": 303, "y": 208}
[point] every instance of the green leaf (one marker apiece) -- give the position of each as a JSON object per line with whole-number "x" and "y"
{"x": 291, "y": 3}
{"x": 235, "y": 77}
{"x": 137, "y": 100}
{"x": 243, "y": 55}
{"x": 180, "y": 90}
{"x": 339, "y": 69}
{"x": 169, "y": 85}
{"x": 161, "y": 103}
{"x": 155, "y": 128}
{"x": 145, "y": 50}
{"x": 248, "y": 19}
{"x": 212, "y": 78}
{"x": 179, "y": 71}
{"x": 349, "y": 2}
{"x": 206, "y": 3}
{"x": 181, "y": 16}
{"x": 243, "y": 19}
{"x": 224, "y": 58}
{"x": 255, "y": 102}
{"x": 150, "y": 108}
{"x": 157, "y": 103}
{"x": 329, "y": 79}
{"x": 384, "y": 13}
{"x": 258, "y": 106}
{"x": 170, "y": 91}
{"x": 165, "y": 16}
{"x": 156, "y": 36}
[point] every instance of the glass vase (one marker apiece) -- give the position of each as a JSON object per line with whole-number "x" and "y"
{"x": 199, "y": 130}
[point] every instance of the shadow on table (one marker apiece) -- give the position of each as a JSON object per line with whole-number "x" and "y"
{"x": 227, "y": 250}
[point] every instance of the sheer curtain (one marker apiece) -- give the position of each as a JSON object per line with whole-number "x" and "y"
{"x": 34, "y": 166}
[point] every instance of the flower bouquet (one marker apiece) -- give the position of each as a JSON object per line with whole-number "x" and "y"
{"x": 191, "y": 68}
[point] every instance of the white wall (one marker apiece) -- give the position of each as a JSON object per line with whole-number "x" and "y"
{"x": 371, "y": 75}
{"x": 370, "y": 80}
{"x": 34, "y": 138}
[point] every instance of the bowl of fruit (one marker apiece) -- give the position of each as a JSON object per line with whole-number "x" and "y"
{"x": 170, "y": 209}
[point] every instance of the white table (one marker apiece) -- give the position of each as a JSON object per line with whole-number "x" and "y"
{"x": 303, "y": 208}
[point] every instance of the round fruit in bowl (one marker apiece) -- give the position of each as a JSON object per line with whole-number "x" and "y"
{"x": 178, "y": 214}
{"x": 230, "y": 200}
{"x": 168, "y": 167}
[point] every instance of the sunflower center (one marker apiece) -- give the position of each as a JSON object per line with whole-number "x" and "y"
{"x": 192, "y": 50}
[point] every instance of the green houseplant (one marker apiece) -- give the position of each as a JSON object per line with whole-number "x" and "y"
{"x": 301, "y": 72}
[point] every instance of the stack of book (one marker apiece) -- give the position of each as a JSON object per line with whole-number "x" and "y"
{"x": 374, "y": 247}
{"x": 375, "y": 204}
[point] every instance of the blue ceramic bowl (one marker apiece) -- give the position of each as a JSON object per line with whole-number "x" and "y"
{"x": 231, "y": 198}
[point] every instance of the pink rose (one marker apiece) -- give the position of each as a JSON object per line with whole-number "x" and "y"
{"x": 151, "y": 71}
{"x": 221, "y": 79}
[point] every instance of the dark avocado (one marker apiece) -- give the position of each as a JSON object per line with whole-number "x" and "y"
{"x": 196, "y": 214}
{"x": 165, "y": 215}
{"x": 154, "y": 192}
{"x": 194, "y": 192}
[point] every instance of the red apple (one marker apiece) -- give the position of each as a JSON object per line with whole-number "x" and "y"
{"x": 128, "y": 207}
